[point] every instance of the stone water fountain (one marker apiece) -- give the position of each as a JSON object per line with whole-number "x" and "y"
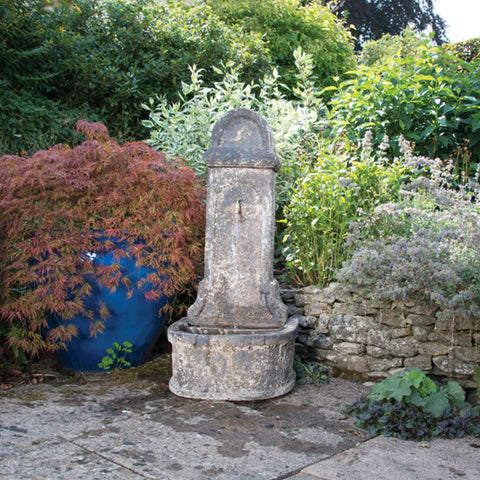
{"x": 236, "y": 342}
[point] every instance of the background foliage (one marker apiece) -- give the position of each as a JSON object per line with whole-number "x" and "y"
{"x": 102, "y": 59}
{"x": 336, "y": 191}
{"x": 286, "y": 25}
{"x": 468, "y": 50}
{"x": 390, "y": 47}
{"x": 431, "y": 99}
{"x": 184, "y": 128}
{"x": 372, "y": 19}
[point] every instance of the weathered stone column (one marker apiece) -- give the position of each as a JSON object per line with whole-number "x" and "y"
{"x": 235, "y": 343}
{"x": 238, "y": 290}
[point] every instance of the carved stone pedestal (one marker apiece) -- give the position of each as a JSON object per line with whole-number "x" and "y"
{"x": 235, "y": 343}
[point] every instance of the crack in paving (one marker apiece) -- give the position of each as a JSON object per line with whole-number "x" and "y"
{"x": 111, "y": 460}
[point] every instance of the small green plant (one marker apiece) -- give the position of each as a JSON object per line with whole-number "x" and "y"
{"x": 409, "y": 405}
{"x": 338, "y": 190}
{"x": 117, "y": 357}
{"x": 310, "y": 372}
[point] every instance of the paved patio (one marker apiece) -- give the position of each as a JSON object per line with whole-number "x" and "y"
{"x": 129, "y": 426}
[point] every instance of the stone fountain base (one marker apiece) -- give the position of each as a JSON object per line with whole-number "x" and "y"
{"x": 228, "y": 364}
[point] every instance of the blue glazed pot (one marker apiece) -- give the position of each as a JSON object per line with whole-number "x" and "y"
{"x": 133, "y": 319}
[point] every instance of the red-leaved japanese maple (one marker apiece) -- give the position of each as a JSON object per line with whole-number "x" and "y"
{"x": 60, "y": 203}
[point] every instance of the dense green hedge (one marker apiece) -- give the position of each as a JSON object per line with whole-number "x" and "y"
{"x": 286, "y": 25}
{"x": 467, "y": 50}
{"x": 102, "y": 59}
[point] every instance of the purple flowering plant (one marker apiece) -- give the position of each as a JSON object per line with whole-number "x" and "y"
{"x": 425, "y": 244}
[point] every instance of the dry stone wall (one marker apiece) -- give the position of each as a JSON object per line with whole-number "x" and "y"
{"x": 360, "y": 335}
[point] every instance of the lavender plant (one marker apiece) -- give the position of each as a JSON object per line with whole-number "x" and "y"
{"x": 425, "y": 244}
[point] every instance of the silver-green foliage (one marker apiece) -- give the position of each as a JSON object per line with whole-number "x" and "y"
{"x": 183, "y": 129}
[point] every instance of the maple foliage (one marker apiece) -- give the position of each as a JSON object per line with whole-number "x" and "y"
{"x": 62, "y": 203}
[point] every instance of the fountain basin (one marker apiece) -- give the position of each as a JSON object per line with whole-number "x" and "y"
{"x": 225, "y": 364}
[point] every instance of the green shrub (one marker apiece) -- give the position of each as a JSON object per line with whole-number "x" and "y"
{"x": 184, "y": 128}
{"x": 431, "y": 99}
{"x": 389, "y": 47}
{"x": 104, "y": 58}
{"x": 338, "y": 190}
{"x": 468, "y": 50}
{"x": 32, "y": 122}
{"x": 286, "y": 25}
{"x": 408, "y": 404}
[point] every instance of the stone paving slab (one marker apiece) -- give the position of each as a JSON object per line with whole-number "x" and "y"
{"x": 393, "y": 459}
{"x": 109, "y": 431}
{"x": 224, "y": 440}
{"x": 59, "y": 460}
{"x": 44, "y": 412}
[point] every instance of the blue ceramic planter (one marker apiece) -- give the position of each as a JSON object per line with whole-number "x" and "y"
{"x": 133, "y": 319}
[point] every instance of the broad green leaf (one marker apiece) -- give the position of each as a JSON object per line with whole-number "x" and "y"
{"x": 328, "y": 89}
{"x": 392, "y": 387}
{"x": 417, "y": 399}
{"x": 424, "y": 78}
{"x": 455, "y": 393}
{"x": 436, "y": 404}
{"x": 428, "y": 131}
{"x": 416, "y": 377}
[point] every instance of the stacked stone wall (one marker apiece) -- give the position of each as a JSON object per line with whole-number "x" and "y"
{"x": 360, "y": 335}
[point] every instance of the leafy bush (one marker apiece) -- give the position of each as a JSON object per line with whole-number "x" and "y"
{"x": 286, "y": 25}
{"x": 408, "y": 404}
{"x": 388, "y": 47}
{"x": 430, "y": 99}
{"x": 425, "y": 245}
{"x": 468, "y": 50}
{"x": 104, "y": 58}
{"x": 184, "y": 128}
{"x": 32, "y": 122}
{"x": 336, "y": 191}
{"x": 63, "y": 202}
